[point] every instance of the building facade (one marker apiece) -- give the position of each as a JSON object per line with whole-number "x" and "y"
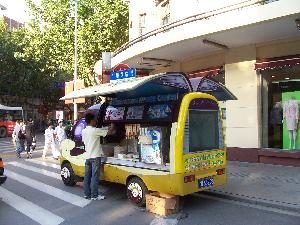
{"x": 253, "y": 47}
{"x": 12, "y": 24}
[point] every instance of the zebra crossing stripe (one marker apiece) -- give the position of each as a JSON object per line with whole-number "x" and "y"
{"x": 50, "y": 190}
{"x": 6, "y": 146}
{"x": 29, "y": 209}
{"x": 52, "y": 165}
{"x": 36, "y": 150}
{"x": 36, "y": 170}
{"x": 6, "y": 143}
{"x": 7, "y": 149}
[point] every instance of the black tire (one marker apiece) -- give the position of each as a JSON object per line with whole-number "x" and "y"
{"x": 3, "y": 132}
{"x": 136, "y": 191}
{"x": 67, "y": 174}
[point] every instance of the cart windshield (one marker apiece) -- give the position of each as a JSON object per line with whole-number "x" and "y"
{"x": 205, "y": 130}
{"x": 203, "y": 127}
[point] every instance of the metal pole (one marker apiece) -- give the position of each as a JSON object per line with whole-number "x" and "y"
{"x": 75, "y": 61}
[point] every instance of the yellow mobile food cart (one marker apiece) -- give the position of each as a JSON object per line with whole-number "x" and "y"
{"x": 169, "y": 137}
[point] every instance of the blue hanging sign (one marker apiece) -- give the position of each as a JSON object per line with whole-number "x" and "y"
{"x": 122, "y": 74}
{"x": 57, "y": 84}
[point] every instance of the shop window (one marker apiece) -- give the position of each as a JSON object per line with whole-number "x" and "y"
{"x": 280, "y": 104}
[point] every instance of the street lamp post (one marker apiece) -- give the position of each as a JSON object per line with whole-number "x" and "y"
{"x": 75, "y": 61}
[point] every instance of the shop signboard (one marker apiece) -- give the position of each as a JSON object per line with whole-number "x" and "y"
{"x": 68, "y": 89}
{"x": 148, "y": 99}
{"x": 135, "y": 112}
{"x": 122, "y": 75}
{"x": 59, "y": 115}
{"x": 114, "y": 113}
{"x": 160, "y": 111}
{"x": 79, "y": 85}
{"x": 203, "y": 160}
{"x": 57, "y": 84}
{"x": 151, "y": 152}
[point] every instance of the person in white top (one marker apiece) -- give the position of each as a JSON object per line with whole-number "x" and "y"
{"x": 91, "y": 139}
{"x": 49, "y": 142}
{"x": 60, "y": 134}
{"x": 17, "y": 128}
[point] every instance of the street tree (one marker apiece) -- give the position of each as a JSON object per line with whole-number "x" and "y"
{"x": 102, "y": 26}
{"x": 19, "y": 77}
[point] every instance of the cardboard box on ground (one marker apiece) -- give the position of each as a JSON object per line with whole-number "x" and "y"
{"x": 162, "y": 204}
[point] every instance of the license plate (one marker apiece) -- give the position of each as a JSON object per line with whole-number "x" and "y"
{"x": 206, "y": 182}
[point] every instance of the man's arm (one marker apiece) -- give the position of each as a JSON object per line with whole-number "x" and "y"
{"x": 101, "y": 131}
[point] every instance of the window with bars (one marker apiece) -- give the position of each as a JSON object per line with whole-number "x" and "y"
{"x": 142, "y": 23}
{"x": 164, "y": 11}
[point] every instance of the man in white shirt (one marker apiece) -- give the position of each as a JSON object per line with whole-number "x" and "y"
{"x": 15, "y": 133}
{"x": 91, "y": 140}
{"x": 60, "y": 134}
{"x": 49, "y": 142}
{"x": 15, "y": 136}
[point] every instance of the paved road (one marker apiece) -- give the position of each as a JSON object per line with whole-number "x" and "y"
{"x": 34, "y": 194}
{"x": 7, "y": 149}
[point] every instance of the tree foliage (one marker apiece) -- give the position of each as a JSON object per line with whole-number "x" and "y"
{"x": 19, "y": 77}
{"x": 42, "y": 52}
{"x": 102, "y": 26}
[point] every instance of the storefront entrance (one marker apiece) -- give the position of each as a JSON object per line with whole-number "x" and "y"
{"x": 280, "y": 108}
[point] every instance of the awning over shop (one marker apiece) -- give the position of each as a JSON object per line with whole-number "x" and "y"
{"x": 214, "y": 88}
{"x": 8, "y": 108}
{"x": 208, "y": 72}
{"x": 277, "y": 63}
{"x": 143, "y": 86}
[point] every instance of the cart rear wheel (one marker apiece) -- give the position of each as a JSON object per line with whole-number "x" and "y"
{"x": 67, "y": 174}
{"x": 136, "y": 191}
{"x": 3, "y": 132}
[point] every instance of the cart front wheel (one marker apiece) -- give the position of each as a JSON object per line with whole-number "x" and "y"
{"x": 67, "y": 175}
{"x": 136, "y": 191}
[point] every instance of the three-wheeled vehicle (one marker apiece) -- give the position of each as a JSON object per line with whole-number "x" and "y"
{"x": 169, "y": 137}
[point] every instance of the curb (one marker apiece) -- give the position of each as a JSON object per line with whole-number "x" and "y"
{"x": 253, "y": 200}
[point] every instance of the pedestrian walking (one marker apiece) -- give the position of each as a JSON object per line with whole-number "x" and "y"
{"x": 49, "y": 142}
{"x": 60, "y": 134}
{"x": 20, "y": 143}
{"x": 91, "y": 139}
{"x": 15, "y": 133}
{"x": 30, "y": 137}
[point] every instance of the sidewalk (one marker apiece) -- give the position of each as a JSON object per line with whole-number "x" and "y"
{"x": 264, "y": 184}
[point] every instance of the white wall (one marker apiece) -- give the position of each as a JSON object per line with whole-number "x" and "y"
{"x": 242, "y": 122}
{"x": 222, "y": 22}
{"x": 181, "y": 9}
{"x": 178, "y": 9}
{"x": 137, "y": 7}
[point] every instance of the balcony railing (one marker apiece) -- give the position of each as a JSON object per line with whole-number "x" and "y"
{"x": 190, "y": 19}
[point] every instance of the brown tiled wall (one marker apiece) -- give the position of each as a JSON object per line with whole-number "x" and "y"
{"x": 242, "y": 154}
{"x": 268, "y": 156}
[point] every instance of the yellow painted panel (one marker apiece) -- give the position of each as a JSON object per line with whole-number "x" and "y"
{"x": 179, "y": 164}
{"x": 204, "y": 160}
